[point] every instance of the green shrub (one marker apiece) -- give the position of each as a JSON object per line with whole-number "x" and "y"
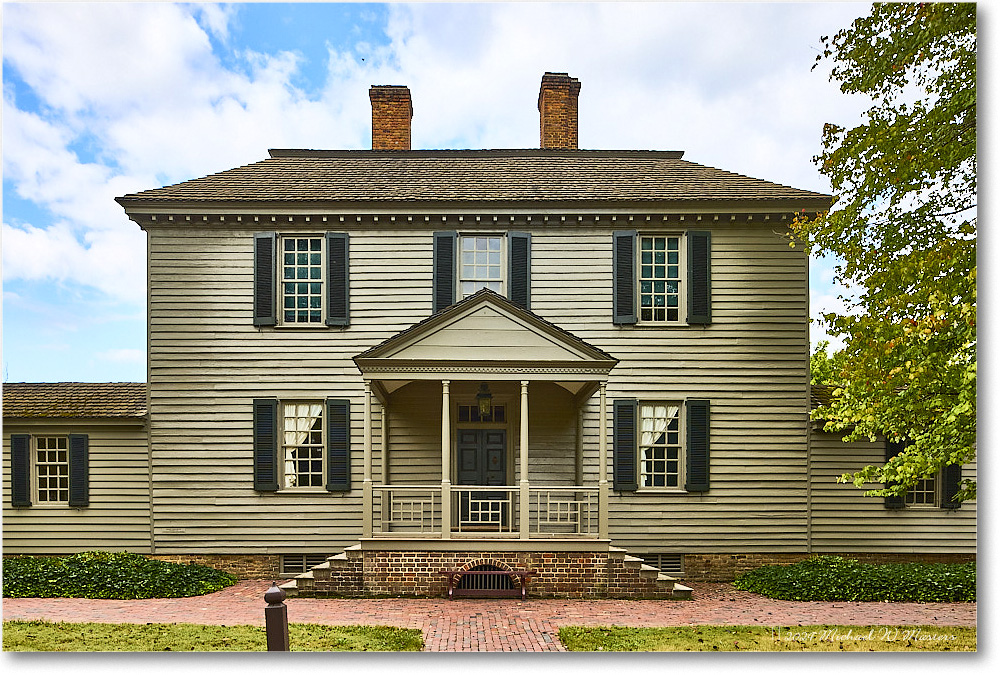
{"x": 835, "y": 578}
{"x": 102, "y": 574}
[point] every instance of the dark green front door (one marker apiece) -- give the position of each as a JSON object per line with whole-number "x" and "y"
{"x": 482, "y": 460}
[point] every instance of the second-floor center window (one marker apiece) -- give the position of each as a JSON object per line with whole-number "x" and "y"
{"x": 302, "y": 280}
{"x": 659, "y": 278}
{"x": 481, "y": 264}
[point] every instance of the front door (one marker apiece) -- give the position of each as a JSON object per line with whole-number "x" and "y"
{"x": 482, "y": 460}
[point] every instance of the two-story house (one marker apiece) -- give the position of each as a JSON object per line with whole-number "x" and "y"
{"x": 443, "y": 359}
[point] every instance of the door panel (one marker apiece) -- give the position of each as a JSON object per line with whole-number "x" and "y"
{"x": 482, "y": 460}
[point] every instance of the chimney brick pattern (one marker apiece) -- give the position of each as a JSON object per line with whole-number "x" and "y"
{"x": 557, "y": 108}
{"x": 392, "y": 111}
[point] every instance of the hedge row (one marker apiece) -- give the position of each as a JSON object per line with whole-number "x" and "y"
{"x": 102, "y": 574}
{"x": 836, "y": 578}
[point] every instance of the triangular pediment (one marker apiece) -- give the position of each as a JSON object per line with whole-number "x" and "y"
{"x": 486, "y": 328}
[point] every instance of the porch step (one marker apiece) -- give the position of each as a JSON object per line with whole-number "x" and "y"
{"x": 681, "y": 592}
{"x": 649, "y": 572}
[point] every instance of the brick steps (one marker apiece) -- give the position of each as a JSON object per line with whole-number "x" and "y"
{"x": 621, "y": 576}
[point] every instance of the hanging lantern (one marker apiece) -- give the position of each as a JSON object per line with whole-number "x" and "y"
{"x": 485, "y": 399}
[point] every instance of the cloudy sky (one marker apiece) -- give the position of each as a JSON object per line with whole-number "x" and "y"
{"x": 104, "y": 99}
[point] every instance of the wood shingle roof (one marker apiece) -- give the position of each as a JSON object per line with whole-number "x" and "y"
{"x": 466, "y": 176}
{"x": 74, "y": 399}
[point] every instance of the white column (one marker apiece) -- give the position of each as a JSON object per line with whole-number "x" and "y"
{"x": 366, "y": 518}
{"x": 524, "y": 492}
{"x": 384, "y": 453}
{"x": 602, "y": 473}
{"x": 445, "y": 459}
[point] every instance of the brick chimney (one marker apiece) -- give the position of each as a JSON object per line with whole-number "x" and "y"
{"x": 557, "y": 110}
{"x": 391, "y": 115}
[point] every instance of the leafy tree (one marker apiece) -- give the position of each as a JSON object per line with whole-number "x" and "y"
{"x": 903, "y": 228}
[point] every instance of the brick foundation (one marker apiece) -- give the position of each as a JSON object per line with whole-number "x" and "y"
{"x": 250, "y": 566}
{"x": 574, "y": 574}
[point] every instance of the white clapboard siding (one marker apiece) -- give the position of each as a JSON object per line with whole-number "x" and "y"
{"x": 208, "y": 362}
{"x": 117, "y": 518}
{"x": 845, "y": 521}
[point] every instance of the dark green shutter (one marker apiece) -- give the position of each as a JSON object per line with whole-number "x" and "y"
{"x": 338, "y": 279}
{"x": 79, "y": 470}
{"x": 264, "y": 272}
{"x": 623, "y": 263}
{"x": 265, "y": 444}
{"x": 445, "y": 245}
{"x": 20, "y": 470}
{"x": 893, "y": 501}
{"x": 519, "y": 269}
{"x": 951, "y": 478}
{"x": 624, "y": 448}
{"x": 338, "y": 460}
{"x": 699, "y": 255}
{"x": 697, "y": 454}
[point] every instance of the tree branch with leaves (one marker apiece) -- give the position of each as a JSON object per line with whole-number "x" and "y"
{"x": 903, "y": 230}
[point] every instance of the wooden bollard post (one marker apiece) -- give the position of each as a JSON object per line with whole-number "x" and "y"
{"x": 276, "y": 619}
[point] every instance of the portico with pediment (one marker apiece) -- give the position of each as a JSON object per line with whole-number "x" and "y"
{"x": 501, "y": 393}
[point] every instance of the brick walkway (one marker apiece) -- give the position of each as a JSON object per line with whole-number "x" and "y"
{"x": 494, "y": 625}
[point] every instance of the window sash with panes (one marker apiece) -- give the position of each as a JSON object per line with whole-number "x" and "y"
{"x": 52, "y": 469}
{"x": 303, "y": 445}
{"x": 302, "y": 280}
{"x": 481, "y": 264}
{"x": 660, "y": 450}
{"x": 923, "y": 493}
{"x": 659, "y": 278}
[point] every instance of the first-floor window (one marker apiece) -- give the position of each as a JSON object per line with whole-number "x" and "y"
{"x": 52, "y": 469}
{"x": 923, "y": 493}
{"x": 303, "y": 444}
{"x": 660, "y": 445}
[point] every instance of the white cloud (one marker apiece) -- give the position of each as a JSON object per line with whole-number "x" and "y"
{"x": 140, "y": 85}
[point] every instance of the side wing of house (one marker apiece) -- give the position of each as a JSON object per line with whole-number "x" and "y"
{"x": 73, "y": 485}
{"x": 844, "y": 521}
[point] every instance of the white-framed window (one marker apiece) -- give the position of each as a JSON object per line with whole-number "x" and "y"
{"x": 481, "y": 263}
{"x": 923, "y": 493}
{"x": 52, "y": 469}
{"x": 470, "y": 413}
{"x": 301, "y": 280}
{"x": 660, "y": 446}
{"x": 303, "y": 444}
{"x": 660, "y": 265}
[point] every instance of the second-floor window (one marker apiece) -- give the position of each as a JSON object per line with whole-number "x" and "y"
{"x": 659, "y": 279}
{"x": 302, "y": 280}
{"x": 481, "y": 264}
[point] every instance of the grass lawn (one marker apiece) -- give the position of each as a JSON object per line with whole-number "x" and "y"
{"x": 826, "y": 638}
{"x": 46, "y": 636}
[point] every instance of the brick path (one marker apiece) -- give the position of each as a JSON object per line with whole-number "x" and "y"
{"x": 494, "y": 625}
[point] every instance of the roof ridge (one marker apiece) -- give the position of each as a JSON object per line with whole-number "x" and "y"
{"x": 275, "y": 153}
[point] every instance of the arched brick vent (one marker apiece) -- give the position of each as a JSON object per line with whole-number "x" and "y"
{"x": 487, "y": 582}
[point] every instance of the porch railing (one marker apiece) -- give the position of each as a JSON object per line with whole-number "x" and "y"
{"x": 485, "y": 511}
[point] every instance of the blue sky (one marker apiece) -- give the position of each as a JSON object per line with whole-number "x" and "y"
{"x": 104, "y": 99}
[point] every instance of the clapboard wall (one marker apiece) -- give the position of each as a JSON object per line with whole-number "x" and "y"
{"x": 208, "y": 362}
{"x": 117, "y": 518}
